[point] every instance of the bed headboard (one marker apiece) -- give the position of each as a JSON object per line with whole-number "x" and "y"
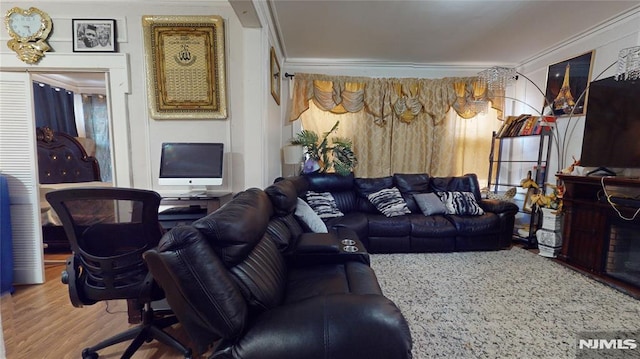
{"x": 62, "y": 159}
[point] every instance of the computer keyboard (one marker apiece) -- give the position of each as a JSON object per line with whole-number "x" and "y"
{"x": 184, "y": 210}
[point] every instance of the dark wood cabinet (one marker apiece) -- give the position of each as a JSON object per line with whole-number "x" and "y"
{"x": 593, "y": 230}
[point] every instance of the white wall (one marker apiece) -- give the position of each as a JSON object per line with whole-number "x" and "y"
{"x": 606, "y": 41}
{"x": 246, "y": 56}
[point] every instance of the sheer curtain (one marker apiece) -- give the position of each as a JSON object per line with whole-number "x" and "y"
{"x": 400, "y": 125}
{"x": 96, "y": 123}
{"x": 471, "y": 142}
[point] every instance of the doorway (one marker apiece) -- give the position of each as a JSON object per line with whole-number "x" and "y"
{"x": 92, "y": 119}
{"x": 27, "y": 236}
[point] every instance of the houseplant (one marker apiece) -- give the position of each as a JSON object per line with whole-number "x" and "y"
{"x": 324, "y": 154}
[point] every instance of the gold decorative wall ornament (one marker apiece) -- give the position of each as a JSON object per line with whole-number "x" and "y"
{"x": 29, "y": 30}
{"x": 185, "y": 59}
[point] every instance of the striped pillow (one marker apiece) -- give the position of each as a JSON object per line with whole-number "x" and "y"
{"x": 462, "y": 203}
{"x": 323, "y": 204}
{"x": 389, "y": 201}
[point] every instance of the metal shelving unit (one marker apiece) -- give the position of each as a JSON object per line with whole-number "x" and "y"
{"x": 510, "y": 160}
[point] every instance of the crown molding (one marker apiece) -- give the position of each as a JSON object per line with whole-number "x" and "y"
{"x": 592, "y": 31}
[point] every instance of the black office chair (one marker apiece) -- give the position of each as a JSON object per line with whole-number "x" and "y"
{"x": 108, "y": 229}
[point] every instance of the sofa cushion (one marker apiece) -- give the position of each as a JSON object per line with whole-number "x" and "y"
{"x": 410, "y": 184}
{"x": 329, "y": 182}
{"x": 284, "y": 231}
{"x": 462, "y": 203}
{"x": 309, "y": 217}
{"x": 466, "y": 183}
{"x": 311, "y": 281}
{"x": 389, "y": 202}
{"x": 261, "y": 276}
{"x": 323, "y": 204}
{"x": 430, "y": 203}
{"x": 475, "y": 225}
{"x": 283, "y": 196}
{"x": 200, "y": 280}
{"x": 431, "y": 226}
{"x": 381, "y": 226}
{"x": 235, "y": 231}
{"x": 366, "y": 186}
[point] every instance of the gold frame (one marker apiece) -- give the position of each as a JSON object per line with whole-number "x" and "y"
{"x": 274, "y": 72}
{"x": 185, "y": 58}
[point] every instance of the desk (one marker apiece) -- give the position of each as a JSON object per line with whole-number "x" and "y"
{"x": 201, "y": 203}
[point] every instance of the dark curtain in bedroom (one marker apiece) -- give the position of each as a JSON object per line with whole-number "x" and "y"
{"x": 54, "y": 108}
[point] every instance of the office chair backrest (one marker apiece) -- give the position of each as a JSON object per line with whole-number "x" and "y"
{"x": 108, "y": 229}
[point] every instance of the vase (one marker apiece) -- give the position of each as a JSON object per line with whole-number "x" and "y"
{"x": 551, "y": 220}
{"x": 549, "y": 236}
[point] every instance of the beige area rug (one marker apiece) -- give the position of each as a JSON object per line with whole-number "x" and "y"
{"x": 502, "y": 304}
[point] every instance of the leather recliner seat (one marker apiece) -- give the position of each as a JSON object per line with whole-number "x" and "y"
{"x": 228, "y": 280}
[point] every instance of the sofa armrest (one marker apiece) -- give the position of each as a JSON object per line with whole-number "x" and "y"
{"x": 333, "y": 326}
{"x": 326, "y": 248}
{"x": 498, "y": 206}
{"x": 317, "y": 243}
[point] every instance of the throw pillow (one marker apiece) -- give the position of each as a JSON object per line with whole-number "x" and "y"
{"x": 389, "y": 201}
{"x": 306, "y": 214}
{"x": 323, "y": 204}
{"x": 430, "y": 203}
{"x": 463, "y": 203}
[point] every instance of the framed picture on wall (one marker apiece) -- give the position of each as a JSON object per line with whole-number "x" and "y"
{"x": 185, "y": 58}
{"x": 94, "y": 35}
{"x": 275, "y": 76}
{"x": 567, "y": 82}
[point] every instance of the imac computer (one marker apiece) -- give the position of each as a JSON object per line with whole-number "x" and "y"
{"x": 196, "y": 165}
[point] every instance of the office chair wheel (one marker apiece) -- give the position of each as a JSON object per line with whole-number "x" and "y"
{"x": 86, "y": 354}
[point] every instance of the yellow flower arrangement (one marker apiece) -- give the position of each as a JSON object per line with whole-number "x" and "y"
{"x": 552, "y": 200}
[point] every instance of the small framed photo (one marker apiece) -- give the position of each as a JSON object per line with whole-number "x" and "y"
{"x": 94, "y": 35}
{"x": 275, "y": 76}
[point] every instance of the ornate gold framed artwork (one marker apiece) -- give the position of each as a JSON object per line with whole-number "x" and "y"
{"x": 185, "y": 58}
{"x": 274, "y": 76}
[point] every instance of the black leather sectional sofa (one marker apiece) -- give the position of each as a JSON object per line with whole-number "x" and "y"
{"x": 248, "y": 281}
{"x": 413, "y": 232}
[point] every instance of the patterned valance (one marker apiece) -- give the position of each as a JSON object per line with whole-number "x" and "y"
{"x": 381, "y": 98}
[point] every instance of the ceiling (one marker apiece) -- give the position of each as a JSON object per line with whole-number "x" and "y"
{"x": 419, "y": 33}
{"x": 430, "y": 32}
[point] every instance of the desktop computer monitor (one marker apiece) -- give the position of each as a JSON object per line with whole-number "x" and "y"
{"x": 191, "y": 164}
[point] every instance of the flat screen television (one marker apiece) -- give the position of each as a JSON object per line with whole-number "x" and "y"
{"x": 191, "y": 164}
{"x": 612, "y": 125}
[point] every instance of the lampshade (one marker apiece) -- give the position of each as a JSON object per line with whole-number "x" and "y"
{"x": 292, "y": 154}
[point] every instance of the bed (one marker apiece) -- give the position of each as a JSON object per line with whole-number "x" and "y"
{"x": 63, "y": 162}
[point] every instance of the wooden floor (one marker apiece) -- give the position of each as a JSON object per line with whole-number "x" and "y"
{"x": 39, "y": 321}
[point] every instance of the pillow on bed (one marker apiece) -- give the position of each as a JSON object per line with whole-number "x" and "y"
{"x": 462, "y": 203}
